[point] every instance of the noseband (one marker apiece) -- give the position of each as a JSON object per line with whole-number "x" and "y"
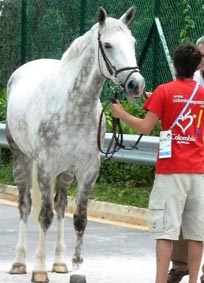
{"x": 112, "y": 70}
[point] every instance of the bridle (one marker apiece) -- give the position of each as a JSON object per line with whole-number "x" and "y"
{"x": 111, "y": 68}
{"x": 116, "y": 141}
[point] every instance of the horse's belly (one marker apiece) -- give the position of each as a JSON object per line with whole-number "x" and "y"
{"x": 78, "y": 161}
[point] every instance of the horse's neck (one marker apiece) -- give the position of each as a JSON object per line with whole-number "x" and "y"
{"x": 86, "y": 88}
{"x": 81, "y": 65}
{"x": 79, "y": 45}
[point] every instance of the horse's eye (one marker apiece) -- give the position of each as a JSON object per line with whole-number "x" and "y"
{"x": 107, "y": 45}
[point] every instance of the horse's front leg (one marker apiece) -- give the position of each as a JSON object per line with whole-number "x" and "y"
{"x": 62, "y": 183}
{"x": 45, "y": 219}
{"x": 85, "y": 185}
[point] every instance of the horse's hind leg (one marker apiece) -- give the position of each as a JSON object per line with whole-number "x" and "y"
{"x": 22, "y": 178}
{"x": 63, "y": 181}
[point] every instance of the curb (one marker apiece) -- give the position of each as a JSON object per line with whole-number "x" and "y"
{"x": 96, "y": 209}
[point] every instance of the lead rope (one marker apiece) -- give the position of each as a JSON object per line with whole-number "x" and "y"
{"x": 117, "y": 136}
{"x": 116, "y": 142}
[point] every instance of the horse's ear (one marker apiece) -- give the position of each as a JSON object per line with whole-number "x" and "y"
{"x": 128, "y": 17}
{"x": 101, "y": 16}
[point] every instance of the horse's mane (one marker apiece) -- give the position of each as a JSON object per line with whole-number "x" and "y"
{"x": 79, "y": 45}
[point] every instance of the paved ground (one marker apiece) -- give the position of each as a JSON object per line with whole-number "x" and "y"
{"x": 112, "y": 254}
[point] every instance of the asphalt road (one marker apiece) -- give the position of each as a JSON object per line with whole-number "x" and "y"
{"x": 112, "y": 254}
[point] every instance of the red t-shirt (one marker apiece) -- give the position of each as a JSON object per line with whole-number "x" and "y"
{"x": 167, "y": 101}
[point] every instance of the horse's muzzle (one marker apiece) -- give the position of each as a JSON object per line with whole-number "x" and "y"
{"x": 134, "y": 87}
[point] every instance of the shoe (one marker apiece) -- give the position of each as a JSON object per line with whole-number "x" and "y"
{"x": 175, "y": 276}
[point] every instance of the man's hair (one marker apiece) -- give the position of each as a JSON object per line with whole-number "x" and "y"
{"x": 187, "y": 58}
{"x": 200, "y": 40}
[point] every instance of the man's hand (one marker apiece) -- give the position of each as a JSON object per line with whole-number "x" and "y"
{"x": 147, "y": 94}
{"x": 117, "y": 110}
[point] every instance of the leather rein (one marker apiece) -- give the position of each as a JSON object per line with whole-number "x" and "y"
{"x": 116, "y": 142}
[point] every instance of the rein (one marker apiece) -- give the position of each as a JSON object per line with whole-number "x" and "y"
{"x": 116, "y": 142}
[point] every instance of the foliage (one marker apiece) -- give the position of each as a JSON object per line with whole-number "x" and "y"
{"x": 10, "y": 49}
{"x": 189, "y": 23}
{"x": 126, "y": 175}
{"x": 3, "y": 104}
{"x": 135, "y": 196}
{"x": 44, "y": 14}
{"x": 6, "y": 176}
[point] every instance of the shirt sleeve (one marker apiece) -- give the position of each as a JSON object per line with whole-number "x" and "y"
{"x": 155, "y": 102}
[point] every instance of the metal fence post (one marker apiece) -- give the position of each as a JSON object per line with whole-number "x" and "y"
{"x": 23, "y": 31}
{"x": 82, "y": 17}
{"x": 156, "y": 45}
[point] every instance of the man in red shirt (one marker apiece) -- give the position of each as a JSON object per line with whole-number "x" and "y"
{"x": 177, "y": 199}
{"x": 180, "y": 248}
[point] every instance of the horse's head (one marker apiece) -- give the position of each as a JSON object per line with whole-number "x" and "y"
{"x": 117, "y": 60}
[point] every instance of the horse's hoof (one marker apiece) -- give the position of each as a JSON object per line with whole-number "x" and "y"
{"x": 60, "y": 267}
{"x": 75, "y": 278}
{"x": 18, "y": 268}
{"x": 39, "y": 276}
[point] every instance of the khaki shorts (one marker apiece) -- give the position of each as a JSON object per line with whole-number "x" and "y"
{"x": 177, "y": 202}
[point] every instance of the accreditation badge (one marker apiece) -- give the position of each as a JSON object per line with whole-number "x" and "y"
{"x": 165, "y": 144}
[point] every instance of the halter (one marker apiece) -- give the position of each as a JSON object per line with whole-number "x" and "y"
{"x": 112, "y": 70}
{"x": 116, "y": 141}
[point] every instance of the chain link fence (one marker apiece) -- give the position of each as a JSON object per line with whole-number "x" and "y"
{"x": 45, "y": 28}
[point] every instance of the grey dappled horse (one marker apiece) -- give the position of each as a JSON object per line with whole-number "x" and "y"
{"x": 52, "y": 120}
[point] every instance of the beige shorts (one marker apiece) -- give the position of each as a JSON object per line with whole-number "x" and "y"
{"x": 177, "y": 202}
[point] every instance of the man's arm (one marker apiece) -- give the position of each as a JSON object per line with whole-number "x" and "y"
{"x": 143, "y": 126}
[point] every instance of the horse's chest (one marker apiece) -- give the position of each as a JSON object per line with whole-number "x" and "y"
{"x": 74, "y": 141}
{"x": 75, "y": 152}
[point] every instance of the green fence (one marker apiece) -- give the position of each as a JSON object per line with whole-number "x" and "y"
{"x": 31, "y": 29}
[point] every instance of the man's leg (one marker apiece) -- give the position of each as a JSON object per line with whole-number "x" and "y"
{"x": 179, "y": 261}
{"x": 202, "y": 276}
{"x": 195, "y": 249}
{"x": 163, "y": 256}
{"x": 180, "y": 255}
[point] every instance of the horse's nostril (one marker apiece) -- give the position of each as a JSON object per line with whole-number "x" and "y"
{"x": 132, "y": 85}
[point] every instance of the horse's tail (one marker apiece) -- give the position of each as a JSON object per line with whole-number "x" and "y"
{"x": 36, "y": 195}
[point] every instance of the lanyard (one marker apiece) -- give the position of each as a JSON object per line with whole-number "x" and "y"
{"x": 186, "y": 106}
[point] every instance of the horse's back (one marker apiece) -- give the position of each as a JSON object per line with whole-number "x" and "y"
{"x": 25, "y": 92}
{"x": 27, "y": 85}
{"x": 29, "y": 75}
